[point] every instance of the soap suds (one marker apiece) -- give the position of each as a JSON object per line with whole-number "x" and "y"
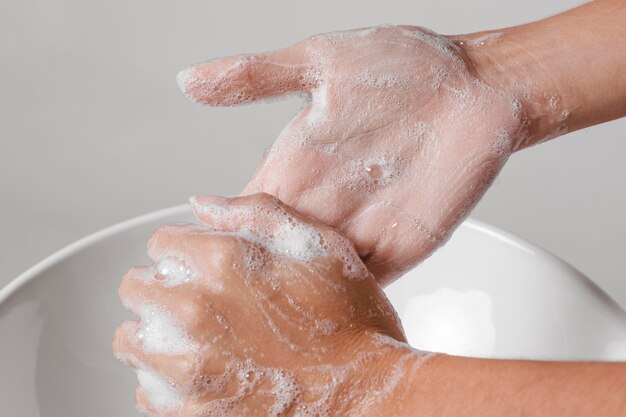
{"x": 161, "y": 393}
{"x": 184, "y": 77}
{"x": 281, "y": 234}
{"x": 159, "y": 333}
{"x": 172, "y": 271}
{"x": 318, "y": 110}
{"x": 292, "y": 239}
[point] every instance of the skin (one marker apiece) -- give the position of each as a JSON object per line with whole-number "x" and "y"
{"x": 269, "y": 315}
{"x": 272, "y": 315}
{"x": 448, "y": 115}
{"x": 392, "y": 113}
{"x": 444, "y": 111}
{"x": 551, "y": 58}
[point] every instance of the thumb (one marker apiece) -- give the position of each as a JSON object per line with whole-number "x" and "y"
{"x": 245, "y": 78}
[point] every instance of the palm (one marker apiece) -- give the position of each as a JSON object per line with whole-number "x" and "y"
{"x": 398, "y": 141}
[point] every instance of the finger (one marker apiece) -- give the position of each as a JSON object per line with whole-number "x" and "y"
{"x": 143, "y": 404}
{"x": 179, "y": 369}
{"x": 245, "y": 78}
{"x": 261, "y": 213}
{"x": 184, "y": 370}
{"x": 171, "y": 239}
{"x": 194, "y": 310}
{"x": 163, "y": 402}
{"x": 264, "y": 221}
{"x": 154, "y": 396}
{"x": 277, "y": 227}
{"x": 207, "y": 255}
{"x": 391, "y": 240}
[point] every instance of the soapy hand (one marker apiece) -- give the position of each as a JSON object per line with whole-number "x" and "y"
{"x": 397, "y": 141}
{"x": 259, "y": 312}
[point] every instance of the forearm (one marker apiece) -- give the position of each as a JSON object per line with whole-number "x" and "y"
{"x": 455, "y": 386}
{"x": 568, "y": 71}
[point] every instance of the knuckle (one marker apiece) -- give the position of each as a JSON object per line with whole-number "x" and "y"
{"x": 169, "y": 235}
{"x": 130, "y": 275}
{"x": 247, "y": 66}
{"x": 141, "y": 401}
{"x": 121, "y": 337}
{"x": 172, "y": 230}
{"x": 214, "y": 253}
{"x": 223, "y": 244}
{"x": 267, "y": 200}
{"x": 261, "y": 199}
{"x": 128, "y": 284}
{"x": 156, "y": 240}
{"x": 160, "y": 232}
{"x": 211, "y": 363}
{"x": 118, "y": 338}
{"x": 193, "y": 313}
{"x": 124, "y": 288}
{"x": 225, "y": 250}
{"x": 264, "y": 197}
{"x": 187, "y": 371}
{"x": 193, "y": 408}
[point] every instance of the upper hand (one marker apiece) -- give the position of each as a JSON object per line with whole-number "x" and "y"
{"x": 397, "y": 141}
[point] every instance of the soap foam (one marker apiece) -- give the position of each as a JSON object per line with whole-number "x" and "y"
{"x": 281, "y": 234}
{"x": 184, "y": 77}
{"x": 176, "y": 268}
{"x": 252, "y": 377}
{"x": 171, "y": 271}
{"x": 319, "y": 105}
{"x": 292, "y": 239}
{"x": 371, "y": 174}
{"x": 159, "y": 333}
{"x": 285, "y": 391}
{"x": 161, "y": 393}
{"x": 273, "y": 229}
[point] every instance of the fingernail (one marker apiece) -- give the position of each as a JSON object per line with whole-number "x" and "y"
{"x": 208, "y": 200}
{"x": 183, "y": 78}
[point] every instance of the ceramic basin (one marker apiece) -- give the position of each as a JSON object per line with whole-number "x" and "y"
{"x": 486, "y": 293}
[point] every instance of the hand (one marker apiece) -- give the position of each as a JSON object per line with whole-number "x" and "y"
{"x": 397, "y": 141}
{"x": 262, "y": 313}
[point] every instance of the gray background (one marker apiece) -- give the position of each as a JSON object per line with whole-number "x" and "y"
{"x": 93, "y": 129}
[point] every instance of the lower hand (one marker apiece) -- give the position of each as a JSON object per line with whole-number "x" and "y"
{"x": 262, "y": 312}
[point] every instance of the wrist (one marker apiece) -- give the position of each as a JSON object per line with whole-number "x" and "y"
{"x": 387, "y": 380}
{"x": 566, "y": 71}
{"x": 507, "y": 62}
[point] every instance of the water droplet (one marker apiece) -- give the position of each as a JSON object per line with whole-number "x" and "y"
{"x": 374, "y": 171}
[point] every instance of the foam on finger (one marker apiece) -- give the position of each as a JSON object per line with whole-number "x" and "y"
{"x": 159, "y": 332}
{"x": 172, "y": 271}
{"x": 161, "y": 393}
{"x": 280, "y": 233}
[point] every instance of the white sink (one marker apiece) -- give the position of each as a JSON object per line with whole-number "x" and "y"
{"x": 486, "y": 293}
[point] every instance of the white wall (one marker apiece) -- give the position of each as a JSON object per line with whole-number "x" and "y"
{"x": 93, "y": 129}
